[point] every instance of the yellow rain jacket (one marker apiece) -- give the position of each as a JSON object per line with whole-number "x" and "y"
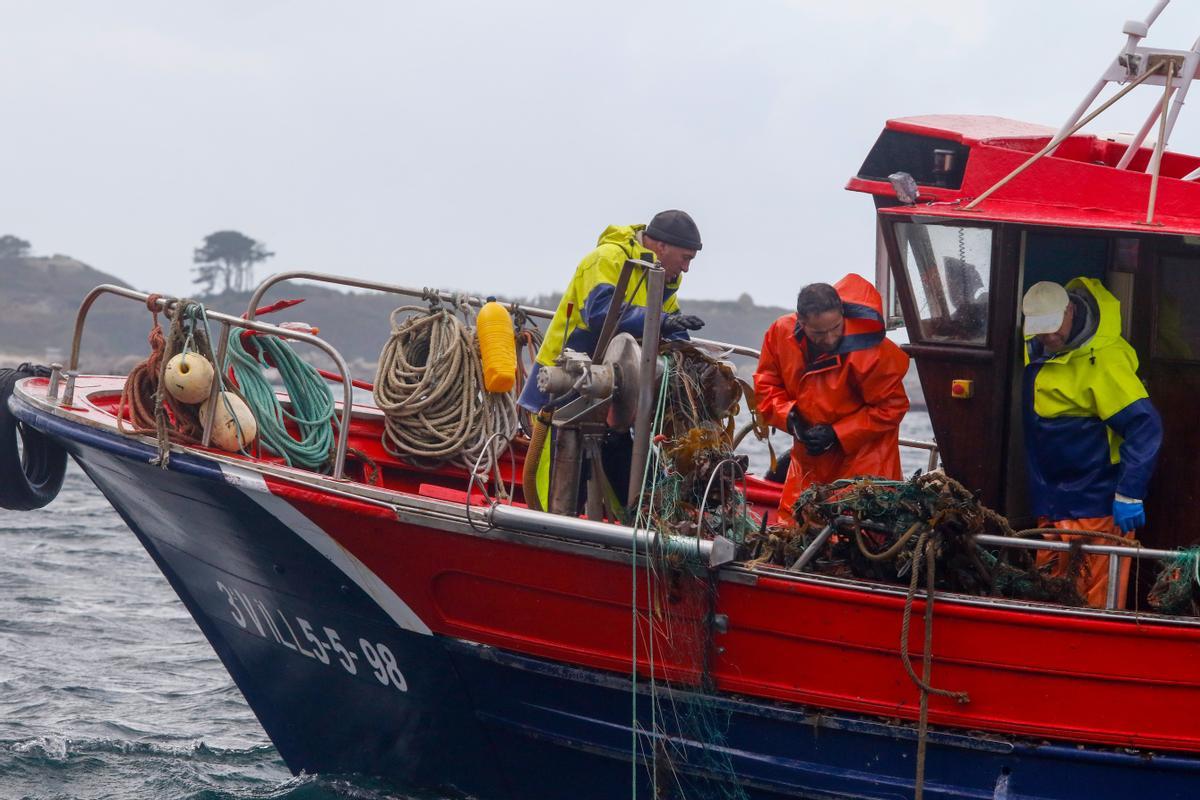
{"x": 1090, "y": 430}
{"x": 580, "y": 313}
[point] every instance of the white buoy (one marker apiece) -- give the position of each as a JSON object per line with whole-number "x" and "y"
{"x": 226, "y": 424}
{"x": 189, "y": 377}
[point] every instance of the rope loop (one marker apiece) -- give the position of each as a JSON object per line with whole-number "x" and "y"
{"x": 311, "y": 400}
{"x": 430, "y": 388}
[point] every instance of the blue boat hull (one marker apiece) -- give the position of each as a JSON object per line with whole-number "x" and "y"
{"x": 305, "y": 643}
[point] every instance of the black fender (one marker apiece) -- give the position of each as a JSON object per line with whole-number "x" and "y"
{"x": 31, "y": 464}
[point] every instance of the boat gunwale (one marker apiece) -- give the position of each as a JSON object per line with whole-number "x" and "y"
{"x": 449, "y": 517}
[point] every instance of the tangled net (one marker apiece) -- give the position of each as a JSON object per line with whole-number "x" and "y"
{"x": 700, "y": 402}
{"x": 691, "y": 491}
{"x": 879, "y": 523}
{"x": 1177, "y": 589}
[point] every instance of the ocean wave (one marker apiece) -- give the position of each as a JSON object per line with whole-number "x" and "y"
{"x": 194, "y": 770}
{"x": 62, "y": 748}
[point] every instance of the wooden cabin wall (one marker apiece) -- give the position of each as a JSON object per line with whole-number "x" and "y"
{"x": 1166, "y": 335}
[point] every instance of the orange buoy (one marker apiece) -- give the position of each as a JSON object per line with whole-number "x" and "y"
{"x": 497, "y": 347}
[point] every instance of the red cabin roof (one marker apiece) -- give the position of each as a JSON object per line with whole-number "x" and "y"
{"x": 1078, "y": 186}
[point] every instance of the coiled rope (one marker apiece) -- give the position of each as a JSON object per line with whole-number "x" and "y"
{"x": 312, "y": 405}
{"x": 430, "y": 388}
{"x": 150, "y": 408}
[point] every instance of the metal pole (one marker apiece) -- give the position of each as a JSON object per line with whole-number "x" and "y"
{"x": 565, "y": 470}
{"x": 1079, "y": 111}
{"x": 218, "y": 382}
{"x": 811, "y": 551}
{"x": 613, "y": 316}
{"x": 1059, "y": 137}
{"x": 410, "y": 291}
{"x": 593, "y": 435}
{"x": 1131, "y": 43}
{"x": 655, "y": 280}
{"x": 1136, "y": 144}
{"x": 1114, "y": 575}
{"x": 1156, "y": 164}
{"x": 713, "y": 552}
{"x": 1125, "y": 551}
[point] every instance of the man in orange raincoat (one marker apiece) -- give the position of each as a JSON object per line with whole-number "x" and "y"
{"x": 828, "y": 376}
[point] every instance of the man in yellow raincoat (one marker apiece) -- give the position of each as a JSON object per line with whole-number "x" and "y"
{"x": 1091, "y": 434}
{"x": 672, "y": 239}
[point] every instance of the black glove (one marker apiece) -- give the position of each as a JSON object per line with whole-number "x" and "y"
{"x": 796, "y": 425}
{"x": 674, "y": 323}
{"x": 818, "y": 439}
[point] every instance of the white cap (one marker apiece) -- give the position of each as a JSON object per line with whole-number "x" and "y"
{"x": 1043, "y": 306}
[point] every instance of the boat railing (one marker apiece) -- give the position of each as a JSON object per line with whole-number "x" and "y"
{"x": 724, "y": 348}
{"x": 450, "y": 297}
{"x": 920, "y": 444}
{"x": 167, "y": 305}
{"x": 1115, "y": 552}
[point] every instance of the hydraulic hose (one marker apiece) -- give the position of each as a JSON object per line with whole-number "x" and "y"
{"x": 533, "y": 459}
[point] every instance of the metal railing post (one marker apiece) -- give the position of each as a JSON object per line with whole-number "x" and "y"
{"x": 339, "y": 459}
{"x": 1114, "y": 574}
{"x": 655, "y": 281}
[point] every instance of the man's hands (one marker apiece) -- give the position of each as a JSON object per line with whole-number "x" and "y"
{"x": 674, "y": 323}
{"x": 819, "y": 439}
{"x": 796, "y": 425}
{"x": 816, "y": 439}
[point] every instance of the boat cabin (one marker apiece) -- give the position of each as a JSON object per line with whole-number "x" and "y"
{"x": 959, "y": 246}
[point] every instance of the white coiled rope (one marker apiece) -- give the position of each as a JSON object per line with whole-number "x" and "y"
{"x": 430, "y": 388}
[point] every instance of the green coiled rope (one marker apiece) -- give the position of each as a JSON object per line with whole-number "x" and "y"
{"x": 312, "y": 406}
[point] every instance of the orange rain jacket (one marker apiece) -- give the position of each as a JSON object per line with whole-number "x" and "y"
{"x": 858, "y": 389}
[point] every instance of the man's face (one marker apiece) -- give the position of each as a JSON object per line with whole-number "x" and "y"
{"x": 824, "y": 329}
{"x": 1054, "y": 342}
{"x": 675, "y": 260}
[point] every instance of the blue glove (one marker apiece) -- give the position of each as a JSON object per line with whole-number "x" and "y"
{"x": 1128, "y": 515}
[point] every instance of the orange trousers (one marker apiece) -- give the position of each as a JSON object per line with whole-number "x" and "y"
{"x": 1093, "y": 579}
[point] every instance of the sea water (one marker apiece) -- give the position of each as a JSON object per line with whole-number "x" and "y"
{"x": 109, "y": 690}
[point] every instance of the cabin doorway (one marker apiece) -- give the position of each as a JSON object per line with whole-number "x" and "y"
{"x": 1169, "y": 347}
{"x": 1047, "y": 255}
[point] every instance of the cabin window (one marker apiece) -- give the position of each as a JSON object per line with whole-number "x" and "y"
{"x": 1177, "y": 328}
{"x": 949, "y": 273}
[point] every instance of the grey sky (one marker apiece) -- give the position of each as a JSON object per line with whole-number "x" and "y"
{"x": 484, "y": 145}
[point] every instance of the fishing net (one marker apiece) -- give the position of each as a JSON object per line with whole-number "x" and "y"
{"x": 693, "y": 488}
{"x": 700, "y": 489}
{"x": 877, "y": 524}
{"x": 1177, "y": 588}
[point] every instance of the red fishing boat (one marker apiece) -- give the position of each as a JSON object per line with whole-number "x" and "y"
{"x": 423, "y": 623}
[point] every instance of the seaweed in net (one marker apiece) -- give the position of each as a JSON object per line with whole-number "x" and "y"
{"x": 878, "y": 523}
{"x": 1177, "y": 588}
{"x": 701, "y": 471}
{"x": 692, "y": 490}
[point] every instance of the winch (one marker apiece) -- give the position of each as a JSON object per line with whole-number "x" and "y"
{"x": 596, "y": 397}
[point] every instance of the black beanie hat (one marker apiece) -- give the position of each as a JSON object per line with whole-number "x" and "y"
{"x": 675, "y": 227}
